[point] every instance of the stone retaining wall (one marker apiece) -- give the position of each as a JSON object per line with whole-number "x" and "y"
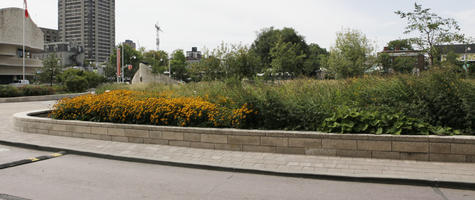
{"x": 425, "y": 148}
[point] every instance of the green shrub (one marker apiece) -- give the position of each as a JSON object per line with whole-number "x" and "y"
{"x": 9, "y": 91}
{"x": 29, "y": 90}
{"x": 76, "y": 84}
{"x": 93, "y": 79}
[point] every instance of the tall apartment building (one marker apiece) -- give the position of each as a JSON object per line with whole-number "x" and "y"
{"x": 88, "y": 23}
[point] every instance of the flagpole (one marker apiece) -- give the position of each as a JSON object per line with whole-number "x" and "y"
{"x": 23, "y": 55}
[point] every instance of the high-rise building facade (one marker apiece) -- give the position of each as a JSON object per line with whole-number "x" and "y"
{"x": 90, "y": 24}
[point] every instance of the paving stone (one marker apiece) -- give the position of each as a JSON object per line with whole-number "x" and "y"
{"x": 136, "y": 133}
{"x": 230, "y": 147}
{"x": 414, "y": 156}
{"x": 252, "y": 140}
{"x": 386, "y": 155}
{"x": 78, "y": 129}
{"x": 202, "y": 145}
{"x": 320, "y": 152}
{"x": 193, "y": 137}
{"x": 439, "y": 148}
{"x": 447, "y": 158}
{"x": 179, "y": 143}
{"x": 99, "y": 130}
{"x": 172, "y": 136}
{"x": 253, "y": 148}
{"x": 467, "y": 149}
{"x": 136, "y": 140}
{"x": 275, "y": 141}
{"x": 374, "y": 145}
{"x": 155, "y": 134}
{"x": 417, "y": 147}
{"x": 290, "y": 150}
{"x": 339, "y": 144}
{"x": 305, "y": 142}
{"x": 115, "y": 132}
{"x": 216, "y": 139}
{"x": 119, "y": 138}
{"x": 353, "y": 153}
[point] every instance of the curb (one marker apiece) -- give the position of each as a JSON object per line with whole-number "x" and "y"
{"x": 39, "y": 98}
{"x": 381, "y": 180}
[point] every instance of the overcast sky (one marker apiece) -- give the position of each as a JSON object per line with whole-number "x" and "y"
{"x": 206, "y": 23}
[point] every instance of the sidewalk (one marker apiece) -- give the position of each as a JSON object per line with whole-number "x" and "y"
{"x": 353, "y": 169}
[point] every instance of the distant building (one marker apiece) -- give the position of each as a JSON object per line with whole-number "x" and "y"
{"x": 90, "y": 24}
{"x": 68, "y": 53}
{"x": 464, "y": 52}
{"x": 50, "y": 35}
{"x": 130, "y": 43}
{"x": 419, "y": 55}
{"x": 193, "y": 56}
{"x": 11, "y": 45}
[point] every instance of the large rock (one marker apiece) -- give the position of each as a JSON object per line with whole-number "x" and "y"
{"x": 145, "y": 75}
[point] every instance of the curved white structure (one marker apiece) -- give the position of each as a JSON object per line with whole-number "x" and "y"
{"x": 11, "y": 44}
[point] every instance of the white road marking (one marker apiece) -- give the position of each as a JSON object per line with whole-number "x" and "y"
{"x": 4, "y": 150}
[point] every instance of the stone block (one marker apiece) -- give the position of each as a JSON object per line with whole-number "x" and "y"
{"x": 193, "y": 137}
{"x": 91, "y": 136}
{"x": 58, "y": 127}
{"x": 414, "y": 156}
{"x": 116, "y": 132}
{"x": 215, "y": 139}
{"x": 155, "y": 134}
{"x": 78, "y": 129}
{"x": 374, "y": 145}
{"x": 447, "y": 158}
{"x": 253, "y": 148}
{"x": 305, "y": 142}
{"x": 471, "y": 159}
{"x": 136, "y": 133}
{"x": 77, "y": 135}
{"x": 440, "y": 148}
{"x": 320, "y": 152}
{"x": 45, "y": 126}
{"x": 179, "y": 143}
{"x": 99, "y": 130}
{"x": 119, "y": 139}
{"x": 250, "y": 140}
{"x": 290, "y": 150}
{"x": 353, "y": 153}
{"x": 464, "y": 149}
{"x": 411, "y": 147}
{"x": 339, "y": 144}
{"x": 155, "y": 141}
{"x": 202, "y": 145}
{"x": 172, "y": 136}
{"x": 275, "y": 141}
{"x": 139, "y": 140}
{"x": 39, "y": 131}
{"x": 386, "y": 155}
{"x": 229, "y": 147}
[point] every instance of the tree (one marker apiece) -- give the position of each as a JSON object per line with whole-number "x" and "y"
{"x": 268, "y": 39}
{"x": 241, "y": 62}
{"x": 351, "y": 55}
{"x": 433, "y": 30}
{"x": 157, "y": 59}
{"x": 131, "y": 56}
{"x": 178, "y": 65}
{"x": 404, "y": 44}
{"x": 51, "y": 69}
{"x": 287, "y": 57}
{"x": 315, "y": 59}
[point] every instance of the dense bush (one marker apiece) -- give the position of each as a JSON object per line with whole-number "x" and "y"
{"x": 140, "y": 108}
{"x": 436, "y": 102}
{"x": 77, "y": 80}
{"x": 29, "y": 90}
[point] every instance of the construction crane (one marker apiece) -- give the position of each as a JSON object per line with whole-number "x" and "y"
{"x": 159, "y": 29}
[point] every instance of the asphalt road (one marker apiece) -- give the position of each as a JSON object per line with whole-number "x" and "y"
{"x": 78, "y": 177}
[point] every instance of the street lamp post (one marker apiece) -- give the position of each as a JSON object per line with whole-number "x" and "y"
{"x": 465, "y": 66}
